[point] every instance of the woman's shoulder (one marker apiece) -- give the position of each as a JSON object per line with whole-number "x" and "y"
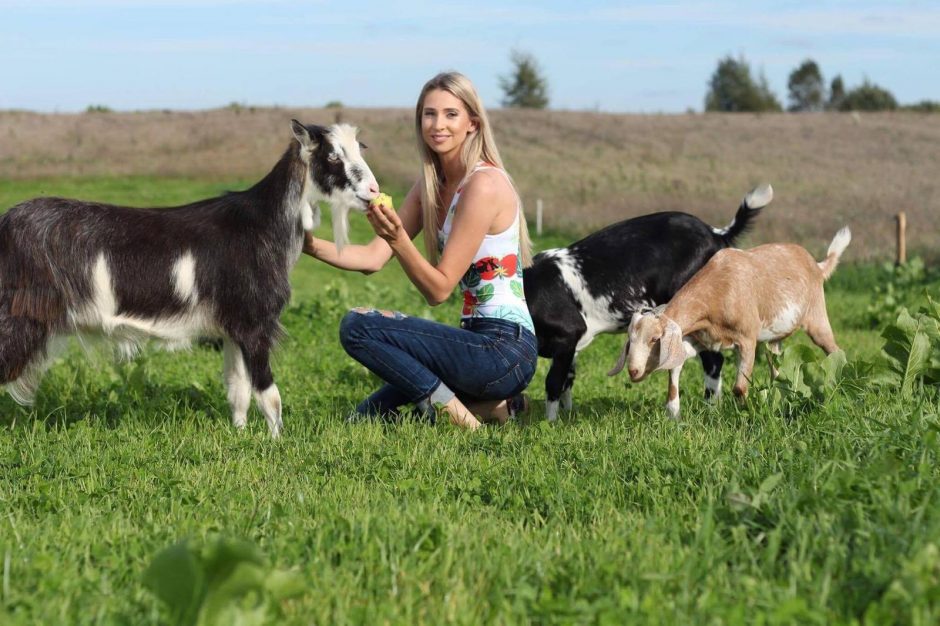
{"x": 488, "y": 181}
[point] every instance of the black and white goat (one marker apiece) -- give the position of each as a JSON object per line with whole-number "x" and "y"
{"x": 217, "y": 267}
{"x": 596, "y": 284}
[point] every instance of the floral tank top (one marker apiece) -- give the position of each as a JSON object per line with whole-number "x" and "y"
{"x": 492, "y": 285}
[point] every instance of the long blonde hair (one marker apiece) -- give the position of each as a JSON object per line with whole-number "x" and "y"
{"x": 478, "y": 146}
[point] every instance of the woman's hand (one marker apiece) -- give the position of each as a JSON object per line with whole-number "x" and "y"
{"x": 386, "y": 223}
{"x": 310, "y": 245}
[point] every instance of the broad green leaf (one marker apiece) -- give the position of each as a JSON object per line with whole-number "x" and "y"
{"x": 471, "y": 278}
{"x": 283, "y": 584}
{"x": 177, "y": 578}
{"x": 486, "y": 293}
{"x": 224, "y": 556}
{"x": 242, "y": 588}
{"x": 906, "y": 352}
{"x": 833, "y": 365}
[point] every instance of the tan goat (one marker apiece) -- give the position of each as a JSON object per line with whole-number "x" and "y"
{"x": 739, "y": 298}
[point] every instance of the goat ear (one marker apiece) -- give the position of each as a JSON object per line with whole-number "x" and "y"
{"x": 672, "y": 353}
{"x": 633, "y": 320}
{"x": 302, "y": 134}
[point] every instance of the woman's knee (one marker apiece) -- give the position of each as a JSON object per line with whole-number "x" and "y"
{"x": 350, "y": 328}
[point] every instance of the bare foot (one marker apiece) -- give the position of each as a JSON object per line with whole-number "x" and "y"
{"x": 501, "y": 411}
{"x": 460, "y": 415}
{"x": 491, "y": 411}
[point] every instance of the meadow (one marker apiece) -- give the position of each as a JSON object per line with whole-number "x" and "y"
{"x": 128, "y": 497}
{"x": 590, "y": 169}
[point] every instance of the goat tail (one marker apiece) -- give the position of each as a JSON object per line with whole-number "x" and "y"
{"x": 839, "y": 243}
{"x": 753, "y": 202}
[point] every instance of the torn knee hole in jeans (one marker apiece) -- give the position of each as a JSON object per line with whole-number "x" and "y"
{"x": 384, "y": 313}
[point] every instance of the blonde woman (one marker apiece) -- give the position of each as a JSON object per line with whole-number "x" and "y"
{"x": 476, "y": 236}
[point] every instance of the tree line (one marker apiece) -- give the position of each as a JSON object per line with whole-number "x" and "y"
{"x": 731, "y": 88}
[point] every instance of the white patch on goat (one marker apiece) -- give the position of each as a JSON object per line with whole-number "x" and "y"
{"x": 596, "y": 312}
{"x": 301, "y": 202}
{"x": 103, "y": 298}
{"x": 551, "y": 410}
{"x": 184, "y": 278}
{"x": 99, "y": 316}
{"x": 840, "y": 242}
{"x": 269, "y": 401}
{"x": 567, "y": 402}
{"x": 713, "y": 385}
{"x": 783, "y": 324}
{"x": 672, "y": 402}
{"x": 309, "y": 213}
{"x": 237, "y": 383}
{"x": 757, "y": 198}
{"x": 301, "y": 197}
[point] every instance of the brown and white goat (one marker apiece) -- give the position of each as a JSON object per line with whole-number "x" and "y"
{"x": 739, "y": 298}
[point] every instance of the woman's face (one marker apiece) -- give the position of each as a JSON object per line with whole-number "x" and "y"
{"x": 445, "y": 122}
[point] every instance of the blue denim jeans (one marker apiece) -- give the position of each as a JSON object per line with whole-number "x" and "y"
{"x": 427, "y": 363}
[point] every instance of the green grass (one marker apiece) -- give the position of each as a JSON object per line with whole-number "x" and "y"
{"x": 757, "y": 513}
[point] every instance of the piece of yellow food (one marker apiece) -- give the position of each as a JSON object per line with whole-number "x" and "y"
{"x": 383, "y": 199}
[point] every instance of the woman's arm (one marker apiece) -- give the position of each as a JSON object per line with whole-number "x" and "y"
{"x": 372, "y": 256}
{"x": 367, "y": 258}
{"x": 484, "y": 199}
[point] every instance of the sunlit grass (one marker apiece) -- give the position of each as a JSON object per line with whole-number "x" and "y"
{"x": 740, "y": 513}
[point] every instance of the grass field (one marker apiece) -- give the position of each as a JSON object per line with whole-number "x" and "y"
{"x": 783, "y": 509}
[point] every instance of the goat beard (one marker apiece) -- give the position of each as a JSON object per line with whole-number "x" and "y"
{"x": 340, "y": 227}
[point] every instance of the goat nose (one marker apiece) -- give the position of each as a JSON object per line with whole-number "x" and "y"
{"x": 374, "y": 187}
{"x": 634, "y": 372}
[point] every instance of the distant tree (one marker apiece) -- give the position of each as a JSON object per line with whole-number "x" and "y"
{"x": 525, "y": 87}
{"x": 732, "y": 88}
{"x": 924, "y": 106}
{"x": 807, "y": 91}
{"x": 836, "y": 94}
{"x": 98, "y": 108}
{"x": 239, "y": 107}
{"x": 868, "y": 97}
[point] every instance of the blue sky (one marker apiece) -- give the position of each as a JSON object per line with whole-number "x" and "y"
{"x": 61, "y": 55}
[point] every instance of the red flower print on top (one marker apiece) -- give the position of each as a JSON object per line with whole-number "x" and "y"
{"x": 491, "y": 268}
{"x": 469, "y": 303}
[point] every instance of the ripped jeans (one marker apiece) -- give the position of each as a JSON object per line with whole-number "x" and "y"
{"x": 427, "y": 363}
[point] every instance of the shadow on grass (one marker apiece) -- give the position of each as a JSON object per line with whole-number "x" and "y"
{"x": 154, "y": 403}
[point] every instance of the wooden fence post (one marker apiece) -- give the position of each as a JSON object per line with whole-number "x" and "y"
{"x": 902, "y": 243}
{"x": 538, "y": 217}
